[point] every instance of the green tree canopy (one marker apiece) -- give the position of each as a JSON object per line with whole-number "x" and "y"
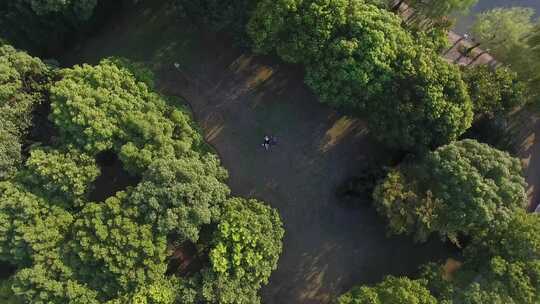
{"x": 24, "y": 81}
{"x": 70, "y": 250}
{"x": 10, "y": 152}
{"x": 42, "y": 285}
{"x": 534, "y": 79}
{"x": 391, "y": 290}
{"x": 64, "y": 176}
{"x": 493, "y": 91}
{"x": 462, "y": 188}
{"x": 30, "y": 228}
{"x": 103, "y": 107}
{"x": 180, "y": 195}
{"x": 298, "y": 30}
{"x": 6, "y": 293}
{"x": 356, "y": 67}
{"x": 425, "y": 104}
{"x": 500, "y": 267}
{"x": 245, "y": 251}
{"x": 109, "y": 246}
{"x": 161, "y": 292}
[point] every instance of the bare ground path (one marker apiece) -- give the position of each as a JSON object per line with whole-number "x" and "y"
{"x": 237, "y": 99}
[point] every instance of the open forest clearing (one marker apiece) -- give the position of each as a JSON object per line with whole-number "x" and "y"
{"x": 261, "y": 151}
{"x": 237, "y": 98}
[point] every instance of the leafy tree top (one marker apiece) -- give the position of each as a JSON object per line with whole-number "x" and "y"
{"x": 494, "y": 91}
{"x": 24, "y": 81}
{"x": 179, "y": 196}
{"x": 500, "y": 267}
{"x": 391, "y": 290}
{"x": 462, "y": 188}
{"x": 30, "y": 228}
{"x": 64, "y": 176}
{"x": 109, "y": 245}
{"x": 298, "y": 30}
{"x": 358, "y": 63}
{"x": 103, "y": 107}
{"x": 424, "y": 105}
{"x": 69, "y": 250}
{"x": 247, "y": 243}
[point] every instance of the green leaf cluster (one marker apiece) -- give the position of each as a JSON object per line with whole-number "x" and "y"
{"x": 494, "y": 91}
{"x": 181, "y": 195}
{"x": 391, "y": 290}
{"x": 63, "y": 176}
{"x": 464, "y": 188}
{"x": 107, "y": 244}
{"x": 501, "y": 267}
{"x": 101, "y": 108}
{"x": 246, "y": 247}
{"x": 24, "y": 81}
{"x": 30, "y": 227}
{"x": 247, "y": 241}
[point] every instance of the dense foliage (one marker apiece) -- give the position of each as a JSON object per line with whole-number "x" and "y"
{"x": 64, "y": 176}
{"x": 180, "y": 196}
{"x": 24, "y": 82}
{"x": 109, "y": 245}
{"x": 68, "y": 249}
{"x": 247, "y": 243}
{"x": 43, "y": 25}
{"x": 493, "y": 91}
{"x": 298, "y": 30}
{"x": 356, "y": 68}
{"x": 464, "y": 188}
{"x": 502, "y": 267}
{"x": 502, "y": 30}
{"x": 534, "y": 45}
{"x": 101, "y": 108}
{"x": 425, "y": 105}
{"x": 229, "y": 16}
{"x": 245, "y": 250}
{"x": 391, "y": 290}
{"x": 31, "y": 227}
